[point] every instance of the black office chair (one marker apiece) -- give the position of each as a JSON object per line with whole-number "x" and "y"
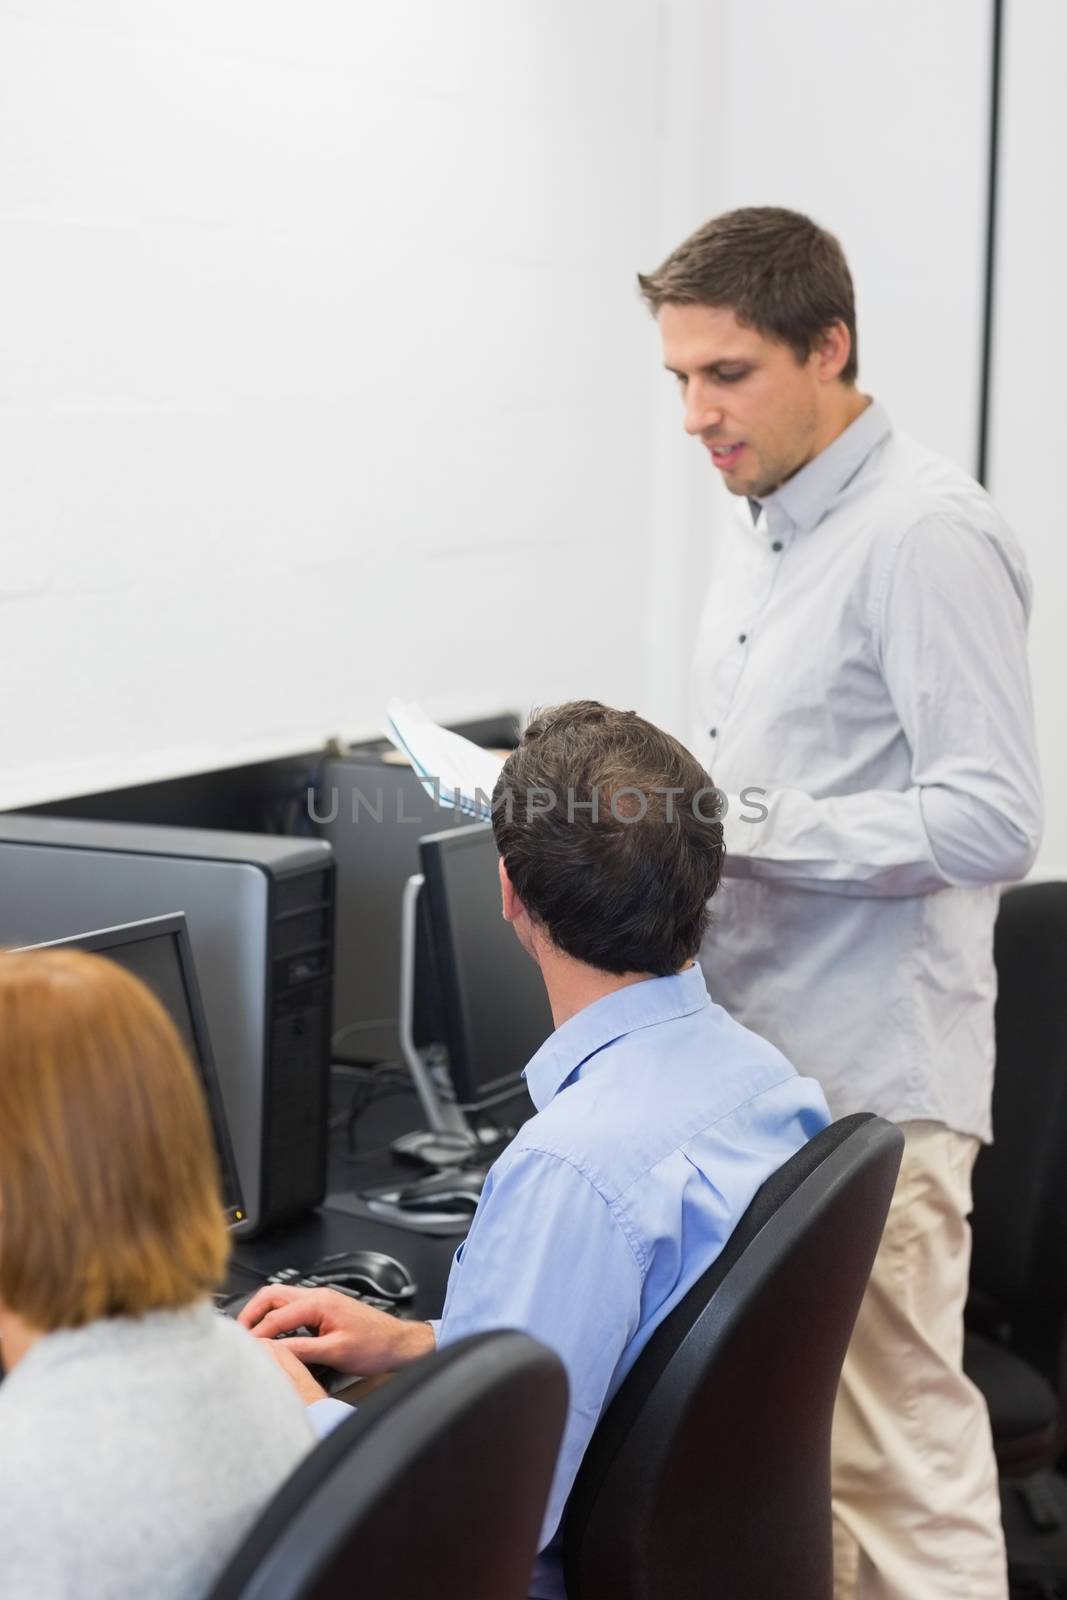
{"x": 709, "y": 1473}
{"x": 434, "y": 1488}
{"x": 1016, "y": 1347}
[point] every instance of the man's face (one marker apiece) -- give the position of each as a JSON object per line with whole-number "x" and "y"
{"x": 752, "y": 404}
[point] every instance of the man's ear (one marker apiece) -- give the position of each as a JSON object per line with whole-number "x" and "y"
{"x": 511, "y": 905}
{"x": 832, "y": 351}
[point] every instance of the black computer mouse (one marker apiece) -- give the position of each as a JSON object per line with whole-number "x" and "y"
{"x": 458, "y": 1202}
{"x": 369, "y": 1272}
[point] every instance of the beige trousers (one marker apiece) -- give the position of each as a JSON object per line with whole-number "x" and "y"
{"x": 916, "y": 1508}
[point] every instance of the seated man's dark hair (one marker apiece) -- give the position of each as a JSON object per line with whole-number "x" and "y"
{"x": 610, "y": 833}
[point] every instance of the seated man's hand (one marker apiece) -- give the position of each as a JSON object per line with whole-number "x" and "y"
{"x": 349, "y": 1336}
{"x": 295, "y": 1370}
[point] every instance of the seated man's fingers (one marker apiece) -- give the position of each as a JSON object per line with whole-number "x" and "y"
{"x": 302, "y": 1312}
{"x": 264, "y": 1300}
{"x": 310, "y": 1351}
{"x": 340, "y": 1350}
{"x": 345, "y": 1334}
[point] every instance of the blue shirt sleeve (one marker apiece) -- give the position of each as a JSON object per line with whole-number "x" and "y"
{"x": 324, "y": 1415}
{"x": 547, "y": 1254}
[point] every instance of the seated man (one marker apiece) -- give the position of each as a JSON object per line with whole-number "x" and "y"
{"x": 658, "y": 1116}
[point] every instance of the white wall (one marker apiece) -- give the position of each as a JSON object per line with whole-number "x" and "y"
{"x": 322, "y": 371}
{"x": 1028, "y": 466}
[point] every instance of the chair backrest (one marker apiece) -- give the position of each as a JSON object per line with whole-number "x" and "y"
{"x": 435, "y": 1487}
{"x": 709, "y": 1473}
{"x": 1019, "y": 1220}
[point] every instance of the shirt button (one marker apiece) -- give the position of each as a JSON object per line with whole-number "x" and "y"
{"x": 713, "y": 733}
{"x": 741, "y": 637}
{"x": 777, "y": 545}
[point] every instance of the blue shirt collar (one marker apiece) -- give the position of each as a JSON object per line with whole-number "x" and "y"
{"x": 639, "y": 1005}
{"x": 806, "y": 497}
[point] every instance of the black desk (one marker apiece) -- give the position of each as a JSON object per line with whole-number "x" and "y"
{"x": 327, "y": 1232}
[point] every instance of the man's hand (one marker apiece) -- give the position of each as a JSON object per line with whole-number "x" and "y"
{"x": 295, "y": 1370}
{"x": 349, "y": 1336}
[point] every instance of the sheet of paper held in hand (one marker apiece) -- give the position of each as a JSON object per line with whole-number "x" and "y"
{"x": 454, "y": 770}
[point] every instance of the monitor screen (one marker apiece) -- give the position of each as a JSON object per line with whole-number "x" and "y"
{"x": 494, "y": 1006}
{"x": 157, "y": 950}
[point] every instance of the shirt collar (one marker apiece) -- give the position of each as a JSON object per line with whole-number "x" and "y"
{"x": 624, "y": 1011}
{"x": 805, "y": 498}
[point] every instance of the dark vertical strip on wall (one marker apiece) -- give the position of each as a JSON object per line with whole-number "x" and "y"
{"x": 990, "y": 242}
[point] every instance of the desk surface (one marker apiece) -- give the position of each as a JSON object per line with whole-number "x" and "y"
{"x": 327, "y": 1232}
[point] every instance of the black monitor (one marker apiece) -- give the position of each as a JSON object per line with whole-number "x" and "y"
{"x": 157, "y": 950}
{"x": 494, "y": 1011}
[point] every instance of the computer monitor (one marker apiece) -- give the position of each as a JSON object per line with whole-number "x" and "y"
{"x": 157, "y": 950}
{"x": 494, "y": 1009}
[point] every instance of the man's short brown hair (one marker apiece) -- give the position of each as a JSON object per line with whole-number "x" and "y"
{"x": 610, "y": 833}
{"x": 109, "y": 1191}
{"x": 776, "y": 270}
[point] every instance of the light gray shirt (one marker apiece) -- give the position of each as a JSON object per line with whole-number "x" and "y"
{"x": 134, "y": 1455}
{"x": 862, "y": 660}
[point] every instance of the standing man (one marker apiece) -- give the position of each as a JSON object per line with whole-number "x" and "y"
{"x": 862, "y": 660}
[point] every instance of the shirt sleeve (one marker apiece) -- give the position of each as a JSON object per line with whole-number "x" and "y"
{"x": 950, "y": 629}
{"x": 325, "y": 1415}
{"x": 547, "y": 1255}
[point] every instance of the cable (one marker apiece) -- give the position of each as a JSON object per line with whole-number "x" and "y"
{"x": 362, "y": 1027}
{"x": 502, "y": 1096}
{"x": 372, "y": 1084}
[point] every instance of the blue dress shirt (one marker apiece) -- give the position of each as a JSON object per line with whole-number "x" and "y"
{"x": 658, "y": 1117}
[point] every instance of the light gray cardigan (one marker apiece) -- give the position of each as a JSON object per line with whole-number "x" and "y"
{"x": 134, "y": 1454}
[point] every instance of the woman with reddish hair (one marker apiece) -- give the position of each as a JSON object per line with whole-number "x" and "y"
{"x": 140, "y": 1432}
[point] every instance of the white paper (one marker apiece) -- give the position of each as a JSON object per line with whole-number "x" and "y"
{"x": 453, "y": 770}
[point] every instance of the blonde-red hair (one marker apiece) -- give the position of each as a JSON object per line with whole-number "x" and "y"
{"x": 109, "y": 1188}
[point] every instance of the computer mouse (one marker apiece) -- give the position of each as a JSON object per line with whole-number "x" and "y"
{"x": 446, "y": 1201}
{"x": 368, "y": 1272}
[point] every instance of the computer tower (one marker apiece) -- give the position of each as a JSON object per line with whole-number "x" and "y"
{"x": 260, "y": 915}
